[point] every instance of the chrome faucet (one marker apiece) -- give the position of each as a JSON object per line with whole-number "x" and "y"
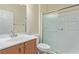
{"x": 13, "y": 34}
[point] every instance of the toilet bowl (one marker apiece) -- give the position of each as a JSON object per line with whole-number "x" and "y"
{"x": 42, "y": 47}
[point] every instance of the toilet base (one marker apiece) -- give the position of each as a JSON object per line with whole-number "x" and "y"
{"x": 43, "y": 52}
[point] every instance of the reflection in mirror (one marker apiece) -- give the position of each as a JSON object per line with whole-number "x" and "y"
{"x": 6, "y": 21}
{"x": 12, "y": 18}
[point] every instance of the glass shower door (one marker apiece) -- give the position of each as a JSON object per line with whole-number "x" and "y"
{"x": 52, "y": 31}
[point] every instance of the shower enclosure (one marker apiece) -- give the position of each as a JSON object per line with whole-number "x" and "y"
{"x": 61, "y": 31}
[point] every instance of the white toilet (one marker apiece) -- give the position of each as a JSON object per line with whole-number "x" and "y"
{"x": 42, "y": 47}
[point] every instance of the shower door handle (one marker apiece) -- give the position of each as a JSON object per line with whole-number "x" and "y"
{"x": 60, "y": 29}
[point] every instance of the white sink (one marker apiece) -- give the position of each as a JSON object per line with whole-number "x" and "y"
{"x": 14, "y": 40}
{"x": 4, "y": 38}
{"x": 18, "y": 38}
{"x": 3, "y": 44}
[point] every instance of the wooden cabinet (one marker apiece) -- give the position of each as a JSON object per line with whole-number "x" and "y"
{"x": 18, "y": 49}
{"x": 28, "y": 47}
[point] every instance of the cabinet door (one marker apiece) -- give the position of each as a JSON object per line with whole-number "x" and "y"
{"x": 30, "y": 47}
{"x": 18, "y": 49}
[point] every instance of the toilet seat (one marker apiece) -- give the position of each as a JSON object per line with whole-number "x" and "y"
{"x": 44, "y": 49}
{"x": 43, "y": 46}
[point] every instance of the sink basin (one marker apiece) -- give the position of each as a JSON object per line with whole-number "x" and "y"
{"x": 4, "y": 38}
{"x": 14, "y": 40}
{"x": 3, "y": 44}
{"x": 18, "y": 39}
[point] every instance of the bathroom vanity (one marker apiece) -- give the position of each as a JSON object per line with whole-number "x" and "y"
{"x": 23, "y": 46}
{"x": 9, "y": 42}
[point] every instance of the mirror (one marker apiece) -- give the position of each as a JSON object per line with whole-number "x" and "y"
{"x": 6, "y": 21}
{"x": 12, "y": 18}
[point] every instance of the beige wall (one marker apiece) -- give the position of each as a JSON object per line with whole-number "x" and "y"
{"x": 32, "y": 19}
{"x": 43, "y": 7}
{"x": 20, "y": 14}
